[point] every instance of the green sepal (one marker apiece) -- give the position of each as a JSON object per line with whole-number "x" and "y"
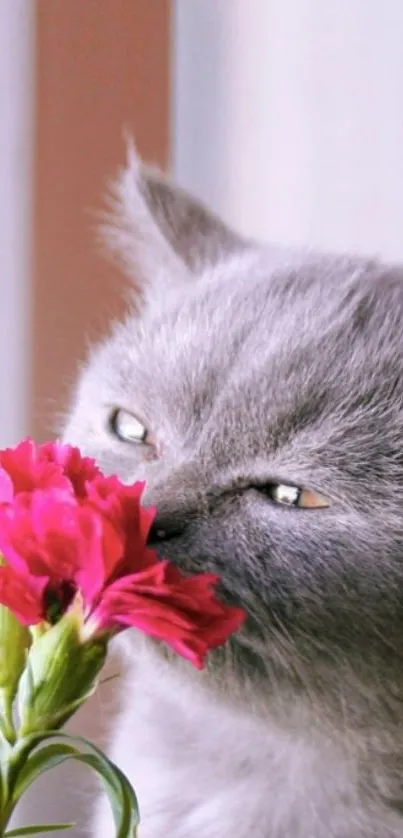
{"x": 60, "y": 674}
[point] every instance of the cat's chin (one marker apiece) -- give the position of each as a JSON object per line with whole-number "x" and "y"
{"x": 135, "y": 647}
{"x": 239, "y": 668}
{"x": 221, "y": 668}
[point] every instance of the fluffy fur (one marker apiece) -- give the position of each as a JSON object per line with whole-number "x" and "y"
{"x": 249, "y": 365}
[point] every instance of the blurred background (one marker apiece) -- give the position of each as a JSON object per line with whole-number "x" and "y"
{"x": 285, "y": 116}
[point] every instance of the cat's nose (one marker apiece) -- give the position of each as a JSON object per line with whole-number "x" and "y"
{"x": 164, "y": 528}
{"x": 172, "y": 510}
{"x": 178, "y": 499}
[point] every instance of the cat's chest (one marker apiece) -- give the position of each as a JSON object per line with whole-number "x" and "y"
{"x": 203, "y": 770}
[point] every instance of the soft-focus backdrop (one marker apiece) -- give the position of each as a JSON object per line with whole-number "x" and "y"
{"x": 286, "y": 116}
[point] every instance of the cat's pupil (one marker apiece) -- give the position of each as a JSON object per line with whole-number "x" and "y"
{"x": 286, "y": 494}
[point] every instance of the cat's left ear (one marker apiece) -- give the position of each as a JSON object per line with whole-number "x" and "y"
{"x": 159, "y": 233}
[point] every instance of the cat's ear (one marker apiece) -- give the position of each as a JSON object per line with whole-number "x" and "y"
{"x": 158, "y": 232}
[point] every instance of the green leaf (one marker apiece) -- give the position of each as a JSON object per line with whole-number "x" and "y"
{"x": 37, "y": 829}
{"x": 5, "y": 749}
{"x": 43, "y": 757}
{"x": 121, "y": 795}
{"x": 60, "y": 674}
{"x": 41, "y": 760}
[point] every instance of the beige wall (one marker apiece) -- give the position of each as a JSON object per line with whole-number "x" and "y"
{"x": 101, "y": 65}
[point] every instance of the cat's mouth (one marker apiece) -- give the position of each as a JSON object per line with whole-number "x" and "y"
{"x": 179, "y": 550}
{"x": 190, "y": 564}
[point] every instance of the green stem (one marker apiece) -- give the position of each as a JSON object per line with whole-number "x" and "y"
{"x": 7, "y": 804}
{"x": 16, "y": 758}
{"x": 5, "y": 817}
{"x": 6, "y": 714}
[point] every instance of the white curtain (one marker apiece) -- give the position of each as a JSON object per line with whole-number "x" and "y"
{"x": 16, "y": 135}
{"x": 288, "y": 118}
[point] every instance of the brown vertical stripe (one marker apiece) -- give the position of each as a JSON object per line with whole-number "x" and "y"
{"x": 101, "y": 66}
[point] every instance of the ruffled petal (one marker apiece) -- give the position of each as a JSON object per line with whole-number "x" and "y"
{"x": 23, "y": 597}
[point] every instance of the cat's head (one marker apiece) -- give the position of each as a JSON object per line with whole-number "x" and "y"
{"x": 260, "y": 395}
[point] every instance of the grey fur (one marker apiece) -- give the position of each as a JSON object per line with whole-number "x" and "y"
{"x": 251, "y": 364}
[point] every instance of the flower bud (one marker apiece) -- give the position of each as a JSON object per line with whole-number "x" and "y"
{"x": 14, "y": 642}
{"x": 60, "y": 673}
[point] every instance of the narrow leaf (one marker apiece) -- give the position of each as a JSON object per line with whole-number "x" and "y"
{"x": 41, "y": 760}
{"x": 120, "y": 793}
{"x": 38, "y": 829}
{"x": 43, "y": 757}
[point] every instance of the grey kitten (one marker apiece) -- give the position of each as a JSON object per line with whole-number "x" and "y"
{"x": 259, "y": 392}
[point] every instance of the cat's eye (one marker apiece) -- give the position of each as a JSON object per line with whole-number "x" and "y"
{"x": 127, "y": 427}
{"x": 295, "y": 496}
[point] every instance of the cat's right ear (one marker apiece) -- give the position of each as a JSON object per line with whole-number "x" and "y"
{"x": 158, "y": 233}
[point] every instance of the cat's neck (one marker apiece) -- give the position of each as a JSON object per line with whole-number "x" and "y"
{"x": 280, "y": 775}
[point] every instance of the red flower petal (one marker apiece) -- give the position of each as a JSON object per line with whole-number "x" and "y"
{"x": 6, "y": 487}
{"x": 77, "y": 469}
{"x": 66, "y": 528}
{"x": 28, "y": 470}
{"x": 186, "y": 614}
{"x": 23, "y": 597}
{"x": 121, "y": 506}
{"x": 45, "y": 535}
